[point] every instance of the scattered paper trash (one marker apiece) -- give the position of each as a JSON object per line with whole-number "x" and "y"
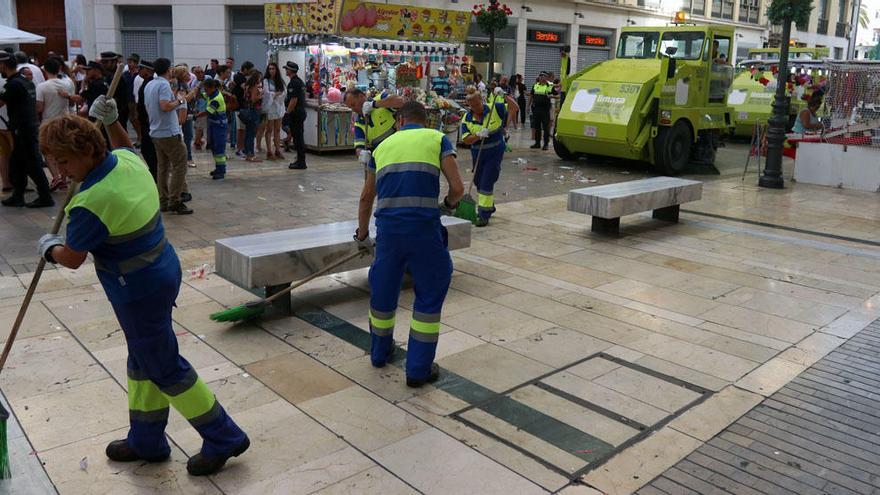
{"x": 625, "y": 172}
{"x": 199, "y": 272}
{"x": 84, "y": 463}
{"x": 301, "y": 188}
{"x": 261, "y": 198}
{"x": 530, "y": 169}
{"x": 566, "y": 167}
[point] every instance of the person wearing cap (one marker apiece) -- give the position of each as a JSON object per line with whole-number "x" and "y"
{"x": 540, "y": 103}
{"x": 115, "y": 218}
{"x": 109, "y": 61}
{"x": 148, "y": 149}
{"x": 94, "y": 85}
{"x": 440, "y": 82}
{"x": 19, "y": 97}
{"x": 295, "y": 113}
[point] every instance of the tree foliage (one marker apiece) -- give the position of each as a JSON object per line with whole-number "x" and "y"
{"x": 797, "y": 11}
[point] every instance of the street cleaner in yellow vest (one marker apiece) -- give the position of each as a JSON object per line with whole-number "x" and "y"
{"x": 375, "y": 121}
{"x": 115, "y": 217}
{"x": 404, "y": 174}
{"x": 483, "y": 129}
{"x": 216, "y": 113}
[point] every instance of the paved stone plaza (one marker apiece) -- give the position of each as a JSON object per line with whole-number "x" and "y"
{"x": 675, "y": 358}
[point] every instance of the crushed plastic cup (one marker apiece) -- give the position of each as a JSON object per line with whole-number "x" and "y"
{"x": 199, "y": 272}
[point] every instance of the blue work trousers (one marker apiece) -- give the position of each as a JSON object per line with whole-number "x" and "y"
{"x": 158, "y": 376}
{"x": 487, "y": 175}
{"x": 217, "y": 140}
{"x": 426, "y": 258}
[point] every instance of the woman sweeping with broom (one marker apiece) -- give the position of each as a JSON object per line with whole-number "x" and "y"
{"x": 483, "y": 129}
{"x": 115, "y": 216}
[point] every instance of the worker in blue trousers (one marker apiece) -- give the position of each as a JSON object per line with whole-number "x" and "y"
{"x": 215, "y": 108}
{"x": 115, "y": 216}
{"x": 483, "y": 129}
{"x": 404, "y": 174}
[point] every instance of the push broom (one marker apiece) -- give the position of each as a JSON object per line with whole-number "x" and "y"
{"x": 256, "y": 308}
{"x": 5, "y": 468}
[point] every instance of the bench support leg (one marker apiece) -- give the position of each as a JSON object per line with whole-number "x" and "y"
{"x": 669, "y": 214}
{"x": 606, "y": 225}
{"x": 282, "y": 304}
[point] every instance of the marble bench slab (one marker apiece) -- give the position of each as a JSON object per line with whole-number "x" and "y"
{"x": 278, "y": 258}
{"x": 610, "y": 202}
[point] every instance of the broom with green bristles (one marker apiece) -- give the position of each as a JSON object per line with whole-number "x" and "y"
{"x": 254, "y": 309}
{"x": 467, "y": 206}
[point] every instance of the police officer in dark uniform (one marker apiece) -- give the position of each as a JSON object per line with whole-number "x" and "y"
{"x": 541, "y": 105}
{"x": 109, "y": 61}
{"x": 20, "y": 98}
{"x": 296, "y": 114}
{"x": 95, "y": 85}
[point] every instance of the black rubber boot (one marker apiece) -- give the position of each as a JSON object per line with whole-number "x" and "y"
{"x": 16, "y": 201}
{"x": 41, "y": 202}
{"x": 119, "y": 451}
{"x": 199, "y": 465}
{"x": 416, "y": 383}
{"x": 297, "y": 166}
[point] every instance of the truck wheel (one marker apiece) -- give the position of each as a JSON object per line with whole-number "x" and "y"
{"x": 672, "y": 149}
{"x": 562, "y": 151}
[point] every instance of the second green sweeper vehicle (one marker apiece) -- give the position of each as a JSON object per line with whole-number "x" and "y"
{"x": 662, "y": 100}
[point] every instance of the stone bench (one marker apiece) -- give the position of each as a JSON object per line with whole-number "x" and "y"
{"x": 273, "y": 260}
{"x": 608, "y": 203}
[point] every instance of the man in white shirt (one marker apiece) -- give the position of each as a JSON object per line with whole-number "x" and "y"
{"x": 22, "y": 60}
{"x": 53, "y": 94}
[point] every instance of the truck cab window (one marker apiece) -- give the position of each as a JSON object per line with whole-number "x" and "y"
{"x": 638, "y": 45}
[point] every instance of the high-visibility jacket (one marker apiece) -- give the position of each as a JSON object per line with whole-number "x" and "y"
{"x": 216, "y": 107}
{"x": 374, "y": 128}
{"x": 408, "y": 178}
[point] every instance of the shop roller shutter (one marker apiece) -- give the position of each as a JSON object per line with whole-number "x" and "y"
{"x": 144, "y": 43}
{"x": 540, "y": 58}
{"x": 589, "y": 56}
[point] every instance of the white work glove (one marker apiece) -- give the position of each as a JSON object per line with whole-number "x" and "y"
{"x": 498, "y": 91}
{"x": 104, "y": 110}
{"x": 364, "y": 157}
{"x": 367, "y": 245}
{"x": 483, "y": 133}
{"x": 45, "y": 245}
{"x": 367, "y": 109}
{"x": 446, "y": 208}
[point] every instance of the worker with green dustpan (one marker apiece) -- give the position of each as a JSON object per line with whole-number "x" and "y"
{"x": 375, "y": 120}
{"x": 483, "y": 129}
{"x": 404, "y": 174}
{"x": 115, "y": 216}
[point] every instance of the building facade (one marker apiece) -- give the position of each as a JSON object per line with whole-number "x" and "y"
{"x": 196, "y": 31}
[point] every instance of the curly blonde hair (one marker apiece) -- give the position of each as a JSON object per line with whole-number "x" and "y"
{"x": 179, "y": 72}
{"x": 71, "y": 135}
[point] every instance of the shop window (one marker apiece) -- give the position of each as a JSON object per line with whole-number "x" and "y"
{"x": 748, "y": 11}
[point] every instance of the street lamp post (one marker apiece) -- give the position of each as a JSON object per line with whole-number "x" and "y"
{"x": 772, "y": 177}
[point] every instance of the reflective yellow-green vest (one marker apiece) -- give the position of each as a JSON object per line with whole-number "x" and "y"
{"x": 216, "y": 115}
{"x": 542, "y": 89}
{"x": 127, "y": 203}
{"x": 376, "y": 127}
{"x": 408, "y": 176}
{"x": 491, "y": 120}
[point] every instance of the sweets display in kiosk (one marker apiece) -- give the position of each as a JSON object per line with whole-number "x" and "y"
{"x": 416, "y": 43}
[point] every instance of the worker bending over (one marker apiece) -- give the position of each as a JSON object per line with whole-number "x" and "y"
{"x": 115, "y": 216}
{"x": 375, "y": 120}
{"x": 404, "y": 172}
{"x": 483, "y": 129}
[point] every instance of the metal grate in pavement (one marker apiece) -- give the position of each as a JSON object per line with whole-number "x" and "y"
{"x": 820, "y": 434}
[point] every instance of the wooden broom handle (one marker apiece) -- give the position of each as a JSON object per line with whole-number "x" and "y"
{"x": 323, "y": 271}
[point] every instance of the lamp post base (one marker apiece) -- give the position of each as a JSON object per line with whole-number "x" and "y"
{"x": 771, "y": 182}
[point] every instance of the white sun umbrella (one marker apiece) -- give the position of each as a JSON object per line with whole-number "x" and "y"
{"x": 10, "y": 35}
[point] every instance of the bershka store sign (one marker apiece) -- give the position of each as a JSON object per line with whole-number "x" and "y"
{"x": 593, "y": 40}
{"x": 544, "y": 36}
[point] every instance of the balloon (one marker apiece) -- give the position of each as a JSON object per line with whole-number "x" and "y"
{"x": 334, "y": 95}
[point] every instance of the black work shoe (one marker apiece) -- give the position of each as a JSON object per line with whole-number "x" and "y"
{"x": 16, "y": 201}
{"x": 199, "y": 465}
{"x": 535, "y": 146}
{"x": 218, "y": 176}
{"x": 416, "y": 383}
{"x": 545, "y": 147}
{"x": 41, "y": 202}
{"x": 297, "y": 166}
{"x": 120, "y": 451}
{"x": 481, "y": 222}
{"x": 185, "y": 197}
{"x": 180, "y": 209}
